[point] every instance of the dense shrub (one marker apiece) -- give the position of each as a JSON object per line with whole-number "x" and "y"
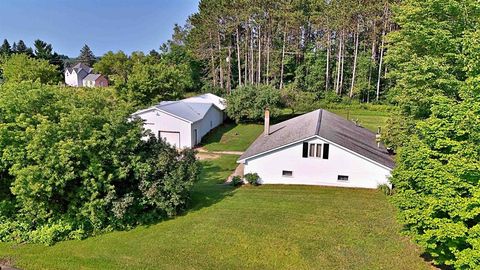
{"x": 385, "y": 189}
{"x": 237, "y": 181}
{"x": 71, "y": 165}
{"x": 248, "y": 103}
{"x": 252, "y": 178}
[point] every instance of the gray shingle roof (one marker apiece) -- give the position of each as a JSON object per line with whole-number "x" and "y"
{"x": 92, "y": 77}
{"x": 326, "y": 125}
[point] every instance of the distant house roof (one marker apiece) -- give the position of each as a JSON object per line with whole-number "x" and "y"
{"x": 326, "y": 125}
{"x": 92, "y": 77}
{"x": 189, "y": 109}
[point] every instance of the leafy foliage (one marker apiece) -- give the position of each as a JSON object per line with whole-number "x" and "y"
{"x": 71, "y": 165}
{"x": 437, "y": 177}
{"x": 252, "y": 178}
{"x": 248, "y": 103}
{"x": 20, "y": 67}
{"x": 154, "y": 80}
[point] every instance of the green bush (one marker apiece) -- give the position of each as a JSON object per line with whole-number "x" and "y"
{"x": 71, "y": 166}
{"x": 237, "y": 181}
{"x": 248, "y": 103}
{"x": 385, "y": 189}
{"x": 252, "y": 178}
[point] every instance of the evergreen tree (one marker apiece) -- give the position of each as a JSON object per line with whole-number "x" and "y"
{"x": 5, "y": 49}
{"x": 86, "y": 56}
{"x": 22, "y": 48}
{"x": 43, "y": 50}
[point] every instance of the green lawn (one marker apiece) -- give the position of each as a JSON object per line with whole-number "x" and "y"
{"x": 267, "y": 227}
{"x": 232, "y": 137}
{"x": 368, "y": 119}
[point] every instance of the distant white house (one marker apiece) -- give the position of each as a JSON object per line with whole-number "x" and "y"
{"x": 81, "y": 75}
{"x": 318, "y": 148}
{"x": 183, "y": 123}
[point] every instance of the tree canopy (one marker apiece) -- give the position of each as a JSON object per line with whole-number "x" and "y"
{"x": 434, "y": 58}
{"x": 73, "y": 165}
{"x": 21, "y": 67}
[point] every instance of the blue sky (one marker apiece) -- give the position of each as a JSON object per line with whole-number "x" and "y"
{"x": 128, "y": 25}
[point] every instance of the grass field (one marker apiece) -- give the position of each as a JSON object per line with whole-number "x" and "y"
{"x": 232, "y": 137}
{"x": 267, "y": 227}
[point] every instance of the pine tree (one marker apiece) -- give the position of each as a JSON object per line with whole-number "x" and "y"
{"x": 86, "y": 56}
{"x": 5, "y": 49}
{"x": 22, "y": 48}
{"x": 43, "y": 50}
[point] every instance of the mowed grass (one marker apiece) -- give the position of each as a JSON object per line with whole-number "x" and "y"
{"x": 232, "y": 137}
{"x": 266, "y": 227}
{"x": 238, "y": 137}
{"x": 366, "y": 118}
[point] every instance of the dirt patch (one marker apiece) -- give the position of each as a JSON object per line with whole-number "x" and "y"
{"x": 6, "y": 264}
{"x": 207, "y": 156}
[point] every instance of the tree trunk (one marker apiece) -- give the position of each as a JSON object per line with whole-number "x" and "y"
{"x": 246, "y": 60}
{"x": 229, "y": 75}
{"x": 327, "y": 70}
{"x": 268, "y": 60}
{"x": 339, "y": 65}
{"x": 342, "y": 64}
{"x": 221, "y": 61}
{"x": 380, "y": 61}
{"x": 283, "y": 56}
{"x": 239, "y": 64}
{"x": 252, "y": 64}
{"x": 259, "y": 75}
{"x": 355, "y": 61}
{"x": 212, "y": 58}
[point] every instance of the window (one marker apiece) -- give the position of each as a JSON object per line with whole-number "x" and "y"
{"x": 319, "y": 150}
{"x": 343, "y": 178}
{"x": 326, "y": 147}
{"x": 305, "y": 150}
{"x": 311, "y": 153}
{"x": 287, "y": 173}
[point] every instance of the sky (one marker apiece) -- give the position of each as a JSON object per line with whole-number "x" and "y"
{"x": 104, "y": 25}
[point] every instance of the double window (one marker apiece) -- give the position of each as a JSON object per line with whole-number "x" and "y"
{"x": 317, "y": 150}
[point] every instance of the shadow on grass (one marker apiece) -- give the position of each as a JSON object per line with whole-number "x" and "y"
{"x": 429, "y": 259}
{"x": 211, "y": 188}
{"x": 216, "y": 134}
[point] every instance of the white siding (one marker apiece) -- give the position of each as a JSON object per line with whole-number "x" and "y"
{"x": 362, "y": 173}
{"x": 213, "y": 118}
{"x": 71, "y": 78}
{"x": 156, "y": 121}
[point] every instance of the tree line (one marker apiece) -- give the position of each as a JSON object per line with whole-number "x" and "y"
{"x": 318, "y": 46}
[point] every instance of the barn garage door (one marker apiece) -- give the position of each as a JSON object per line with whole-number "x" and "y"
{"x": 171, "y": 137}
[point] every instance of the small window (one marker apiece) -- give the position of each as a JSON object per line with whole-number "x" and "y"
{"x": 326, "y": 147}
{"x": 319, "y": 150}
{"x": 343, "y": 178}
{"x": 287, "y": 173}
{"x": 311, "y": 153}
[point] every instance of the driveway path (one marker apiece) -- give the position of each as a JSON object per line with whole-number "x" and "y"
{"x": 203, "y": 150}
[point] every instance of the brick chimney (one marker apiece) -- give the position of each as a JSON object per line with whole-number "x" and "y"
{"x": 266, "y": 128}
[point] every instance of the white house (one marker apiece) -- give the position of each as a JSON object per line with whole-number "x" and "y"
{"x": 81, "y": 75}
{"x": 183, "y": 123}
{"x": 318, "y": 148}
